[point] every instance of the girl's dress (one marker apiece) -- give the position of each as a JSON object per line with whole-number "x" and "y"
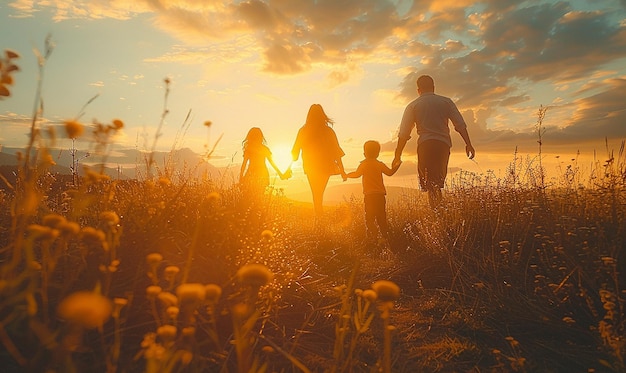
{"x": 257, "y": 175}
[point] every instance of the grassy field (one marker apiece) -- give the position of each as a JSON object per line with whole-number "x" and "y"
{"x": 156, "y": 276}
{"x": 175, "y": 274}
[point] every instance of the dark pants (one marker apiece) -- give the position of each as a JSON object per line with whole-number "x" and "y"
{"x": 375, "y": 212}
{"x": 432, "y": 164}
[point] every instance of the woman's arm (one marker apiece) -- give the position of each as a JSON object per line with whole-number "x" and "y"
{"x": 243, "y": 167}
{"x": 271, "y": 160}
{"x": 297, "y": 147}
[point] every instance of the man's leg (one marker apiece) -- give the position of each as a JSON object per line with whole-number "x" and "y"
{"x": 432, "y": 158}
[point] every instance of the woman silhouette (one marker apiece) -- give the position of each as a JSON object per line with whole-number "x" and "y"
{"x": 321, "y": 153}
{"x": 254, "y": 175}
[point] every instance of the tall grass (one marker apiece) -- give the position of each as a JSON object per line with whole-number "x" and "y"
{"x": 176, "y": 274}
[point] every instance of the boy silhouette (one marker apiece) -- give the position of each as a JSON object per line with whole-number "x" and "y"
{"x": 372, "y": 170}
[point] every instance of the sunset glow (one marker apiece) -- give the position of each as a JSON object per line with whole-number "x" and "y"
{"x": 244, "y": 64}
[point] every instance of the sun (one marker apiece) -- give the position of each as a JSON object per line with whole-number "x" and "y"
{"x": 281, "y": 153}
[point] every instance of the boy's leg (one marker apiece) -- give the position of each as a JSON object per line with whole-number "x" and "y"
{"x": 370, "y": 215}
{"x": 381, "y": 216}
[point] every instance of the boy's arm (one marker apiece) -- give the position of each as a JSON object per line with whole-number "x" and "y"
{"x": 390, "y": 171}
{"x": 355, "y": 174}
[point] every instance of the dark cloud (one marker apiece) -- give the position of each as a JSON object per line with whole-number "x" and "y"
{"x": 597, "y": 116}
{"x": 308, "y": 32}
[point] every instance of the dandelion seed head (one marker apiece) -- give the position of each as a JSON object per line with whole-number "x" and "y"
{"x": 255, "y": 275}
{"x": 191, "y": 293}
{"x": 153, "y": 291}
{"x": 370, "y": 295}
{"x": 609, "y": 306}
{"x": 54, "y": 220}
{"x": 154, "y": 258}
{"x": 188, "y": 331}
{"x": 172, "y": 312}
{"x": 47, "y": 160}
{"x": 87, "y": 309}
{"x": 213, "y": 293}
{"x": 110, "y": 217}
{"x": 120, "y": 301}
{"x": 73, "y": 129}
{"x": 240, "y": 310}
{"x": 167, "y": 333}
{"x": 118, "y": 124}
{"x": 11, "y": 54}
{"x": 4, "y": 91}
{"x": 213, "y": 197}
{"x": 386, "y": 290}
{"x": 164, "y": 181}
{"x": 41, "y": 232}
{"x": 70, "y": 227}
{"x": 6, "y": 79}
{"x": 268, "y": 349}
{"x": 185, "y": 357}
{"x": 91, "y": 234}
{"x": 171, "y": 270}
{"x": 167, "y": 298}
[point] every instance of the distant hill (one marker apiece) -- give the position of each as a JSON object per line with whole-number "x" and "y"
{"x": 336, "y": 194}
{"x": 122, "y": 163}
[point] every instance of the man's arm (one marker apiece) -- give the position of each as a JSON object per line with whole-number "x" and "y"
{"x": 398, "y": 155}
{"x": 469, "y": 149}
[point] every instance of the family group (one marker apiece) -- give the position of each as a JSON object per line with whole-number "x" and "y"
{"x": 317, "y": 144}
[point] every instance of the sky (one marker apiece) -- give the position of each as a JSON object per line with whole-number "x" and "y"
{"x": 255, "y": 63}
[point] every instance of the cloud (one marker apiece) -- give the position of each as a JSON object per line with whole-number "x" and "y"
{"x": 486, "y": 55}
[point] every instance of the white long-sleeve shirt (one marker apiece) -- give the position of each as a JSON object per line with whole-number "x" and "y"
{"x": 430, "y": 113}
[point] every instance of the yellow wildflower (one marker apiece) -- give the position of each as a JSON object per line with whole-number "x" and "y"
{"x": 11, "y": 54}
{"x": 167, "y": 333}
{"x": 191, "y": 293}
{"x": 153, "y": 291}
{"x": 213, "y": 293}
{"x": 370, "y": 295}
{"x": 154, "y": 258}
{"x": 255, "y": 275}
{"x": 118, "y": 124}
{"x": 73, "y": 129}
{"x": 386, "y": 290}
{"x": 110, "y": 217}
{"x": 87, "y": 309}
{"x": 167, "y": 298}
{"x": 54, "y": 220}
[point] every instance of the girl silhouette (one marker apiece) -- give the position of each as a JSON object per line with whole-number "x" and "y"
{"x": 321, "y": 153}
{"x": 254, "y": 176}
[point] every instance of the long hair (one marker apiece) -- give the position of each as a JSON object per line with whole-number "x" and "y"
{"x": 253, "y": 138}
{"x": 317, "y": 117}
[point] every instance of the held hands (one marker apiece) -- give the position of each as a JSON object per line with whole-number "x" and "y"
{"x": 344, "y": 176}
{"x": 287, "y": 174}
{"x": 396, "y": 162}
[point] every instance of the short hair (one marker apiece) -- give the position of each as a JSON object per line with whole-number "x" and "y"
{"x": 426, "y": 83}
{"x": 371, "y": 149}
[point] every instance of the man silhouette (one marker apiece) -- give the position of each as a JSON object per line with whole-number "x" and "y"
{"x": 430, "y": 114}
